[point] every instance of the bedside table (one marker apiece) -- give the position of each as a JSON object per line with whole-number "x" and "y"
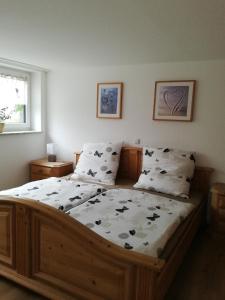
{"x": 41, "y": 169}
{"x": 218, "y": 207}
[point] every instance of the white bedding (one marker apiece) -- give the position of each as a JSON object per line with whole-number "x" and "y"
{"x": 57, "y": 192}
{"x": 135, "y": 220}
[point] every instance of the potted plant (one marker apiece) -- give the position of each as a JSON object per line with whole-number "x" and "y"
{"x": 3, "y": 116}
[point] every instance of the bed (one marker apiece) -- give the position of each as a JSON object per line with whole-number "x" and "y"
{"x": 46, "y": 250}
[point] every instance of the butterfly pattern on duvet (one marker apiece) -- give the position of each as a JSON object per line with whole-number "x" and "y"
{"x": 91, "y": 173}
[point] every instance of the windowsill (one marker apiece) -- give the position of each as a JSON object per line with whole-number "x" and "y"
{"x": 20, "y": 132}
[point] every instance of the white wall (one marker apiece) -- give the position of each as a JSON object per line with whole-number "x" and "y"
{"x": 16, "y": 151}
{"x": 72, "y": 109}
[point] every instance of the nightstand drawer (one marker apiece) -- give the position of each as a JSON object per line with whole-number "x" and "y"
{"x": 221, "y": 201}
{"x": 34, "y": 177}
{"x": 40, "y": 170}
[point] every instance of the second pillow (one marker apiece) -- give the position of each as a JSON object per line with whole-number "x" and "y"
{"x": 167, "y": 171}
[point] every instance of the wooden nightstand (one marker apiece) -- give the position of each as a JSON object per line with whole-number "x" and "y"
{"x": 218, "y": 207}
{"x": 41, "y": 169}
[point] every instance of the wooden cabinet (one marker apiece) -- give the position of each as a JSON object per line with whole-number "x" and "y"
{"x": 41, "y": 169}
{"x": 218, "y": 207}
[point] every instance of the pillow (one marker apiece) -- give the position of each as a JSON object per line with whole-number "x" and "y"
{"x": 167, "y": 171}
{"x": 98, "y": 162}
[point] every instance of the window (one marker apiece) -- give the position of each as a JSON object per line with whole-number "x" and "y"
{"x": 22, "y": 96}
{"x": 14, "y": 98}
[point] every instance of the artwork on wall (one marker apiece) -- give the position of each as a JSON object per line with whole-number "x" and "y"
{"x": 173, "y": 100}
{"x": 109, "y": 100}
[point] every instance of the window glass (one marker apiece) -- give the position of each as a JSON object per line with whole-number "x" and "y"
{"x": 13, "y": 98}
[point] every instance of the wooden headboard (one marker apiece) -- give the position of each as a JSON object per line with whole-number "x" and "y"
{"x": 131, "y": 165}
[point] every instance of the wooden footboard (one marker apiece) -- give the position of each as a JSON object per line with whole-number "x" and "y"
{"x": 55, "y": 255}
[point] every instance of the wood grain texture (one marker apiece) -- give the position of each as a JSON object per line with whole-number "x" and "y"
{"x": 23, "y": 240}
{"x": 201, "y": 275}
{"x": 75, "y": 263}
{"x": 41, "y": 169}
{"x": 11, "y": 291}
{"x": 63, "y": 259}
{"x": 145, "y": 290}
{"x": 7, "y": 244}
{"x": 218, "y": 207}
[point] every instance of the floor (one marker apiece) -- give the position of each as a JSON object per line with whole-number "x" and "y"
{"x": 11, "y": 291}
{"x": 201, "y": 276}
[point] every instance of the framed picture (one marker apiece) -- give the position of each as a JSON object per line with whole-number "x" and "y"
{"x": 173, "y": 100}
{"x": 109, "y": 100}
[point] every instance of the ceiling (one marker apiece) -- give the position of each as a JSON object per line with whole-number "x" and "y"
{"x": 111, "y": 32}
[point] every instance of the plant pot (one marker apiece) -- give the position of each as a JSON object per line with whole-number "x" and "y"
{"x": 2, "y": 125}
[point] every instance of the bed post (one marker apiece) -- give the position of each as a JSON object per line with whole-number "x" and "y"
{"x": 23, "y": 242}
{"x": 7, "y": 232}
{"x": 146, "y": 284}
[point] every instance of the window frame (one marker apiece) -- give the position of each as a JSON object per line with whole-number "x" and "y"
{"x": 9, "y": 127}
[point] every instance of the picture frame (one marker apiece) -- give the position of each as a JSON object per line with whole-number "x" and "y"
{"x": 109, "y": 100}
{"x": 173, "y": 100}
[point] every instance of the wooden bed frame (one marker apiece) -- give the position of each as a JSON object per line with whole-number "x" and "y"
{"x": 49, "y": 252}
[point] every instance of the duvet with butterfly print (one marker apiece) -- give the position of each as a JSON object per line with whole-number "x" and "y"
{"x": 62, "y": 194}
{"x": 135, "y": 220}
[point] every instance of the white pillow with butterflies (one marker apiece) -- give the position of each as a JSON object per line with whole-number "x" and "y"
{"x": 98, "y": 162}
{"x": 167, "y": 171}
